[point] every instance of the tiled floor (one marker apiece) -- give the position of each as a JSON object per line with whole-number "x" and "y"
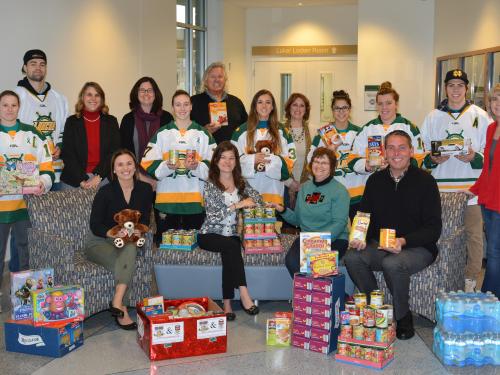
{"x": 108, "y": 350}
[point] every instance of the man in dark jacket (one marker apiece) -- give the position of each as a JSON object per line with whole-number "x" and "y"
{"x": 404, "y": 198}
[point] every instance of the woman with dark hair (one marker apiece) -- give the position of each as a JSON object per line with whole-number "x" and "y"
{"x": 140, "y": 124}
{"x": 90, "y": 137}
{"x": 265, "y": 172}
{"x": 297, "y": 111}
{"x": 178, "y": 156}
{"x": 226, "y": 192}
{"x": 344, "y": 133}
{"x": 125, "y": 191}
{"x": 322, "y": 206}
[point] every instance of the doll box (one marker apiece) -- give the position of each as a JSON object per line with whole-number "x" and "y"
{"x": 23, "y": 337}
{"x": 166, "y": 337}
{"x": 21, "y": 285}
{"x": 59, "y": 305}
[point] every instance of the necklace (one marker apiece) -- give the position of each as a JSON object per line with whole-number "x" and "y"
{"x": 94, "y": 120}
{"x": 300, "y": 137}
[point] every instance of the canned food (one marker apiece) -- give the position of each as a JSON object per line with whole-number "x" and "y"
{"x": 368, "y": 317}
{"x": 390, "y": 351}
{"x": 249, "y": 229}
{"x": 176, "y": 238}
{"x": 359, "y": 352}
{"x": 342, "y": 349}
{"x": 369, "y": 334}
{"x": 267, "y": 243}
{"x": 349, "y": 306}
{"x": 268, "y": 228}
{"x": 269, "y": 212}
{"x": 258, "y": 228}
{"x": 382, "y": 317}
{"x": 173, "y": 156}
{"x": 354, "y": 320}
{"x": 358, "y": 332}
{"x": 376, "y": 298}
{"x": 190, "y": 155}
{"x": 259, "y": 212}
{"x": 360, "y": 300}
{"x": 344, "y": 317}
{"x": 369, "y": 354}
{"x": 381, "y": 335}
{"x": 276, "y": 242}
{"x": 378, "y": 356}
{"x": 248, "y": 213}
{"x": 166, "y": 238}
{"x": 187, "y": 239}
{"x": 345, "y": 332}
{"x": 257, "y": 243}
{"x": 390, "y": 314}
{"x": 387, "y": 238}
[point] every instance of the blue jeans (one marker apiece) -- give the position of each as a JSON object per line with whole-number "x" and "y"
{"x": 492, "y": 275}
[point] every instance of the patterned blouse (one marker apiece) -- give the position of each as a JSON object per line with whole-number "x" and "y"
{"x": 217, "y": 210}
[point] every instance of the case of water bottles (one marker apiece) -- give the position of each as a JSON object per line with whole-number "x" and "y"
{"x": 468, "y": 329}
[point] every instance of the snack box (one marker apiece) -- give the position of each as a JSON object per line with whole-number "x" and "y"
{"x": 302, "y": 295}
{"x": 21, "y": 285}
{"x": 63, "y": 304}
{"x": 307, "y": 320}
{"x": 165, "y": 336}
{"x": 313, "y": 242}
{"x": 278, "y": 331}
{"x": 218, "y": 113}
{"x": 301, "y": 281}
{"x": 23, "y": 337}
{"x": 320, "y": 298}
{"x": 324, "y": 264}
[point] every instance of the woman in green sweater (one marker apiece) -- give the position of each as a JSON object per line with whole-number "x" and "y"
{"x": 322, "y": 206}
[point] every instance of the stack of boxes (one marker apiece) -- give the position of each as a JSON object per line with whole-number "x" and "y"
{"x": 259, "y": 231}
{"x": 468, "y": 329}
{"x": 317, "y": 303}
{"x": 46, "y": 319}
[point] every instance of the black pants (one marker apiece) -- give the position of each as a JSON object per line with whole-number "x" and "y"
{"x": 292, "y": 258}
{"x": 193, "y": 221}
{"x": 233, "y": 269}
{"x": 353, "y": 208}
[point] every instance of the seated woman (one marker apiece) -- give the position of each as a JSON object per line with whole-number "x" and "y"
{"x": 124, "y": 191}
{"x": 322, "y": 206}
{"x": 90, "y": 137}
{"x": 226, "y": 192}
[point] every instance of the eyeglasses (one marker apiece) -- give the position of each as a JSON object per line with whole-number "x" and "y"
{"x": 341, "y": 109}
{"x": 146, "y": 91}
{"x": 322, "y": 163}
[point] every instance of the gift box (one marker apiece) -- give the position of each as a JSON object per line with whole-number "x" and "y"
{"x": 59, "y": 305}
{"x": 21, "y": 285}
{"x": 167, "y": 336}
{"x": 23, "y": 337}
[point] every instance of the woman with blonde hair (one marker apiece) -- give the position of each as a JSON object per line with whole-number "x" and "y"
{"x": 90, "y": 137}
{"x": 266, "y": 148}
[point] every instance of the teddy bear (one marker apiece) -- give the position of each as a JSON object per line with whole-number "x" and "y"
{"x": 266, "y": 147}
{"x": 128, "y": 220}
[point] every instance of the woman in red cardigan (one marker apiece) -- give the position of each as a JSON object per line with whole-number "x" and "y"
{"x": 487, "y": 188}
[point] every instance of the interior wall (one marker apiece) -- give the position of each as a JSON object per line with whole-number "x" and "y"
{"x": 472, "y": 25}
{"x": 112, "y": 42}
{"x": 395, "y": 43}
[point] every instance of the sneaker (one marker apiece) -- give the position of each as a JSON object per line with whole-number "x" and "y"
{"x": 470, "y": 285}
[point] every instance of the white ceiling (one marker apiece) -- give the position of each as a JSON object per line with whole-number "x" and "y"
{"x": 288, "y": 3}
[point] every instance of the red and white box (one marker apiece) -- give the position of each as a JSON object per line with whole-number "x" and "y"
{"x": 302, "y": 295}
{"x": 302, "y": 307}
{"x": 165, "y": 336}
{"x": 300, "y": 330}
{"x": 320, "y": 298}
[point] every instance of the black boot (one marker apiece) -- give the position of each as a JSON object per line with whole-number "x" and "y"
{"x": 404, "y": 328}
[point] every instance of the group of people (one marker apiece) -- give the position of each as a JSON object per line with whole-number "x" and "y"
{"x": 197, "y": 174}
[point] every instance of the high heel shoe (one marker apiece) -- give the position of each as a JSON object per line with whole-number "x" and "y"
{"x": 127, "y": 327}
{"x": 115, "y": 311}
{"x": 253, "y": 310}
{"x": 230, "y": 316}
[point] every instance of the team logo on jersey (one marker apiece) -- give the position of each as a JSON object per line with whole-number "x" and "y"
{"x": 342, "y": 159}
{"x": 314, "y": 198}
{"x": 476, "y": 123}
{"x": 454, "y": 135}
{"x": 44, "y": 124}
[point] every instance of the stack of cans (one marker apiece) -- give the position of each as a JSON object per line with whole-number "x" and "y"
{"x": 174, "y": 239}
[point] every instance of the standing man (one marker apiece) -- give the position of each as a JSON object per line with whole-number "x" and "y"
{"x": 459, "y": 119}
{"x": 42, "y": 106}
{"x": 405, "y": 198}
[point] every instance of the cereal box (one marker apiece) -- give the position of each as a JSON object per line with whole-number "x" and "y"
{"x": 359, "y": 227}
{"x": 329, "y": 135}
{"x": 278, "y": 331}
{"x": 218, "y": 113}
{"x": 375, "y": 151}
{"x": 311, "y": 242}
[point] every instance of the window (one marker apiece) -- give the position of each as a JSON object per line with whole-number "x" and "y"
{"x": 191, "y": 44}
{"x": 482, "y": 68}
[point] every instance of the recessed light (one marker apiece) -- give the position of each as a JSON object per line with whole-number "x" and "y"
{"x": 299, "y": 4}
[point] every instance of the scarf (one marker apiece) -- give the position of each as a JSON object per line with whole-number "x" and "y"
{"x": 143, "y": 134}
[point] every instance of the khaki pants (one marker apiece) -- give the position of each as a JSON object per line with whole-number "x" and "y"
{"x": 474, "y": 240}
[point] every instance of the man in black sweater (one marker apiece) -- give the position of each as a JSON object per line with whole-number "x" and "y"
{"x": 405, "y": 198}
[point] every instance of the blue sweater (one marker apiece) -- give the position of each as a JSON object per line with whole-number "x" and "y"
{"x": 321, "y": 207}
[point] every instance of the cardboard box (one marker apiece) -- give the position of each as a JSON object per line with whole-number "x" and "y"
{"x": 278, "y": 331}
{"x": 21, "y": 285}
{"x": 18, "y": 174}
{"x": 218, "y": 113}
{"x": 23, "y": 337}
{"x": 59, "y": 305}
{"x": 165, "y": 336}
{"x": 452, "y": 146}
{"x": 313, "y": 242}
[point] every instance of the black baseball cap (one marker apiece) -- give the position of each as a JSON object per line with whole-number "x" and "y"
{"x": 456, "y": 74}
{"x": 34, "y": 54}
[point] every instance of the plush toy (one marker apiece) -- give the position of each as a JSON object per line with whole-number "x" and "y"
{"x": 266, "y": 147}
{"x": 128, "y": 220}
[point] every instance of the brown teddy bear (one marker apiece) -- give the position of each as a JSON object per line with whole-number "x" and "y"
{"x": 128, "y": 220}
{"x": 266, "y": 147}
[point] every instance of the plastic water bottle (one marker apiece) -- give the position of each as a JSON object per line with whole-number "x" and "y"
{"x": 478, "y": 354}
{"x": 496, "y": 356}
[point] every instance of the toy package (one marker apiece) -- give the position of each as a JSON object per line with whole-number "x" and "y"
{"x": 64, "y": 304}
{"x": 18, "y": 175}
{"x": 21, "y": 285}
{"x": 452, "y": 146}
{"x": 375, "y": 151}
{"x": 313, "y": 242}
{"x": 218, "y": 113}
{"x": 359, "y": 227}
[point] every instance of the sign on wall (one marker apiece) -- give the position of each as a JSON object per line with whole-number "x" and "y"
{"x": 298, "y": 51}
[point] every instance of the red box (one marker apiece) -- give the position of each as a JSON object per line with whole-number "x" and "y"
{"x": 322, "y": 323}
{"x": 320, "y": 298}
{"x": 302, "y": 295}
{"x": 301, "y": 318}
{"x": 302, "y": 282}
{"x": 319, "y": 346}
{"x": 322, "y": 285}
{"x": 302, "y": 307}
{"x": 319, "y": 310}
{"x": 320, "y": 335}
{"x": 165, "y": 337}
{"x": 300, "y": 342}
{"x": 300, "y": 330}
